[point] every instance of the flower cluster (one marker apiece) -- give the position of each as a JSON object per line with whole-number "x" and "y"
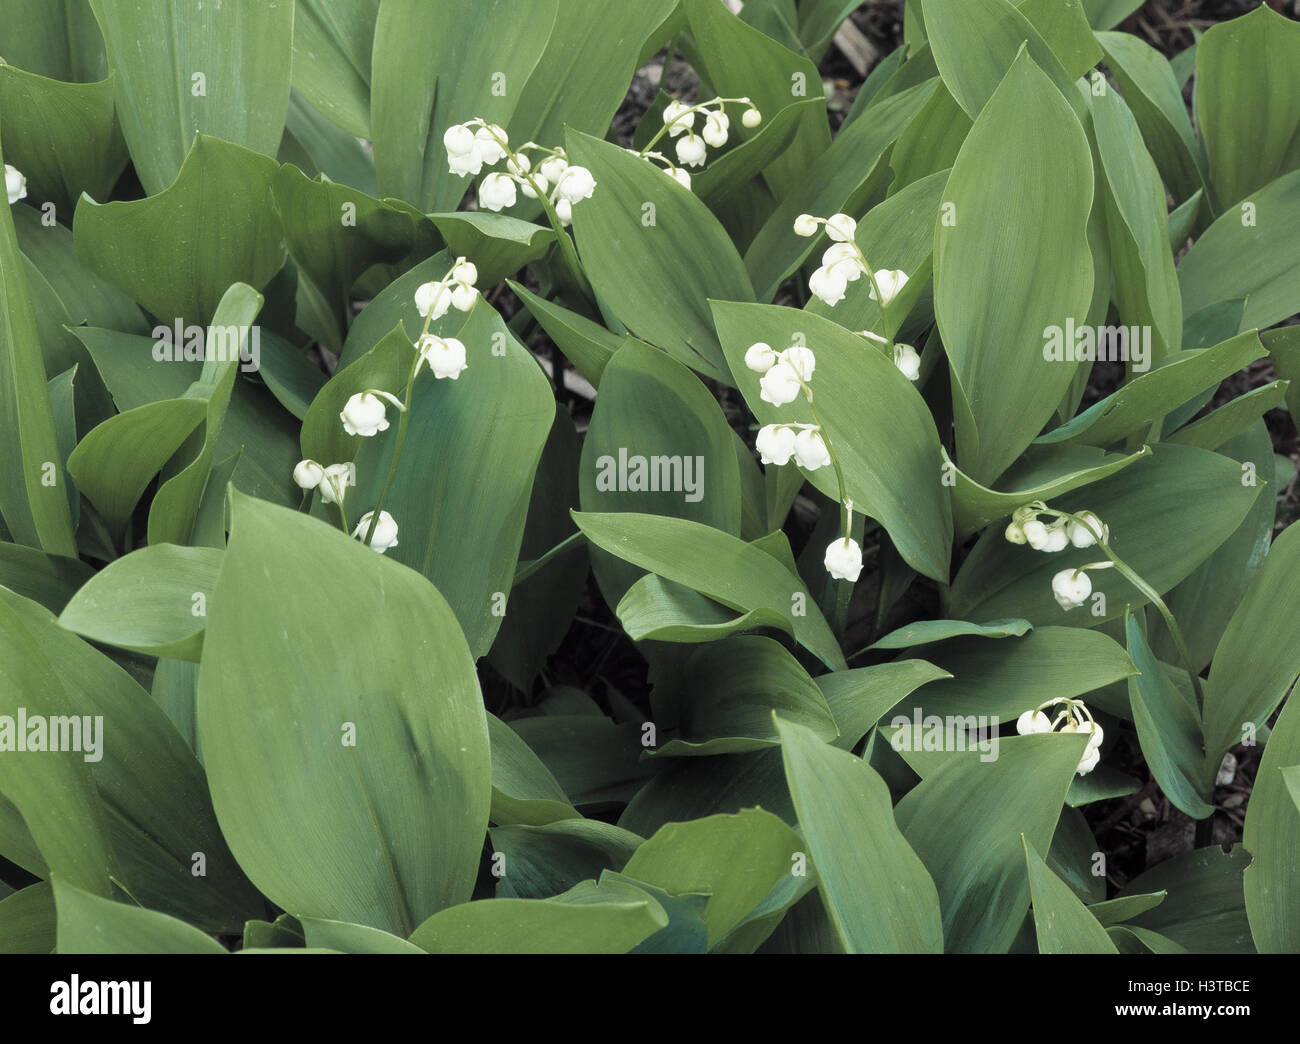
{"x": 15, "y": 184}
{"x": 1071, "y": 587}
{"x": 783, "y": 375}
{"x": 679, "y": 122}
{"x": 365, "y": 414}
{"x": 1074, "y": 716}
{"x": 844, "y": 263}
{"x": 473, "y": 145}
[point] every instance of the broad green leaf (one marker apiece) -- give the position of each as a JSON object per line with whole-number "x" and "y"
{"x": 842, "y": 178}
{"x": 217, "y": 69}
{"x": 1152, "y": 93}
{"x": 716, "y": 564}
{"x": 1248, "y": 101}
{"x": 458, "y": 529}
{"x": 48, "y": 579}
{"x": 1169, "y": 729}
{"x": 33, "y": 497}
{"x": 288, "y": 373}
{"x": 966, "y": 821}
{"x": 860, "y": 698}
{"x": 27, "y": 920}
{"x": 735, "y": 169}
{"x": 427, "y": 75}
{"x": 339, "y": 758}
{"x": 588, "y": 918}
{"x": 1216, "y": 428}
{"x": 177, "y": 252}
{"x": 864, "y": 402}
{"x": 1103, "y": 14}
{"x": 686, "y": 931}
{"x": 877, "y": 892}
{"x": 90, "y": 924}
{"x": 523, "y": 789}
{"x": 1062, "y": 923}
{"x": 1250, "y": 252}
{"x": 332, "y": 41}
{"x": 1149, "y": 396}
{"x": 1272, "y": 836}
{"x": 155, "y": 801}
{"x": 537, "y": 862}
{"x": 1146, "y": 285}
{"x": 729, "y": 692}
{"x": 1066, "y": 30}
{"x": 741, "y": 61}
{"x": 993, "y": 299}
{"x": 926, "y": 632}
{"x": 1203, "y": 490}
{"x": 1007, "y": 677}
{"x": 61, "y": 41}
{"x": 316, "y": 146}
{"x": 1121, "y": 908}
{"x": 152, "y": 601}
{"x": 665, "y": 611}
{"x": 1205, "y": 908}
{"x": 1257, "y": 661}
{"x": 115, "y": 461}
{"x": 586, "y": 344}
{"x": 658, "y": 444}
{"x": 594, "y": 761}
{"x": 929, "y": 145}
{"x": 63, "y": 136}
{"x": 344, "y": 937}
{"x": 498, "y": 244}
{"x": 656, "y": 254}
{"x": 703, "y": 855}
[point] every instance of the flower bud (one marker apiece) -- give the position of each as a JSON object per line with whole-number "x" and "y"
{"x": 385, "y": 535}
{"x": 463, "y": 297}
{"x": 1056, "y": 540}
{"x": 682, "y": 177}
{"x": 752, "y": 118}
{"x": 775, "y": 444}
{"x": 308, "y": 474}
{"x": 760, "y": 357}
{"x": 1035, "y": 534}
{"x": 496, "y": 192}
{"x": 844, "y": 559}
{"x": 805, "y": 225}
{"x": 15, "y": 184}
{"x": 553, "y": 168}
{"x": 564, "y": 211}
{"x": 1071, "y": 587}
{"x": 810, "y": 449}
{"x": 716, "y": 127}
{"x": 458, "y": 140}
{"x": 465, "y": 272}
{"x": 1014, "y": 534}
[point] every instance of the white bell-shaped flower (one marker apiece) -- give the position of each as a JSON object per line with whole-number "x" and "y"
{"x": 1056, "y": 539}
{"x": 564, "y": 211}
{"x": 779, "y": 385}
{"x": 1083, "y": 535}
{"x": 385, "y": 531}
{"x": 497, "y": 191}
{"x": 716, "y": 127}
{"x": 805, "y": 225}
{"x": 760, "y": 357}
{"x": 841, "y": 227}
{"x": 445, "y": 356}
{"x": 842, "y": 258}
{"x": 576, "y": 184}
{"x": 432, "y": 300}
{"x": 890, "y": 281}
{"x": 1033, "y": 721}
{"x": 333, "y": 486}
{"x": 801, "y": 359}
{"x": 307, "y": 474}
{"x": 1035, "y": 534}
{"x": 553, "y": 168}
{"x": 682, "y": 177}
{"x": 752, "y": 117}
{"x": 491, "y": 141}
{"x": 828, "y": 285}
{"x": 1088, "y": 762}
{"x": 775, "y": 444}
{"x": 678, "y": 117}
{"x": 15, "y": 184}
{"x": 1014, "y": 534}
{"x": 364, "y": 414}
{"x": 810, "y": 449}
{"x": 691, "y": 150}
{"x": 908, "y": 361}
{"x": 1071, "y": 588}
{"x": 844, "y": 559}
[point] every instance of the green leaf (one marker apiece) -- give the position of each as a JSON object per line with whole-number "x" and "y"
{"x": 665, "y": 611}
{"x": 56, "y": 40}
{"x": 63, "y": 136}
{"x": 658, "y": 443}
{"x": 729, "y": 693}
{"x": 1216, "y": 428}
{"x": 860, "y": 698}
{"x": 992, "y": 297}
{"x": 1062, "y": 923}
{"x": 1103, "y": 14}
{"x": 332, "y": 41}
{"x": 543, "y": 861}
{"x": 344, "y": 937}
{"x": 587, "y": 345}
{"x": 461, "y": 532}
{"x": 966, "y": 820}
{"x": 152, "y": 601}
{"x": 498, "y": 244}
{"x": 1202, "y": 490}
{"x": 1249, "y": 252}
{"x": 523, "y": 789}
{"x": 1169, "y": 729}
{"x": 48, "y": 579}
{"x": 925, "y": 632}
{"x": 702, "y": 855}
{"x": 876, "y": 891}
{"x": 89, "y": 924}
{"x": 27, "y": 920}
{"x": 716, "y": 564}
{"x": 425, "y": 78}
{"x": 1205, "y": 908}
{"x": 33, "y": 498}
{"x": 1272, "y": 836}
{"x": 842, "y": 178}
{"x": 656, "y": 254}
{"x": 115, "y": 461}
{"x": 218, "y": 70}
{"x": 864, "y": 402}
{"x": 1257, "y": 661}
{"x": 588, "y": 918}
{"x": 1146, "y": 285}
{"x": 595, "y": 761}
{"x": 177, "y": 252}
{"x": 333, "y": 768}
{"x": 734, "y": 170}
{"x": 1148, "y": 397}
{"x": 318, "y": 146}
{"x": 1248, "y": 101}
